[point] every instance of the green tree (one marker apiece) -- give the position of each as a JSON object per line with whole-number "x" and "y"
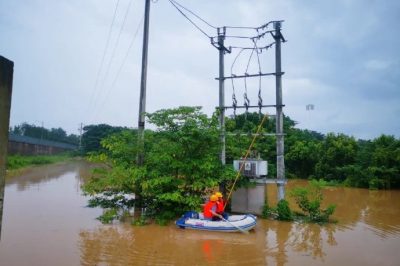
{"x": 181, "y": 163}
{"x": 335, "y": 152}
{"x": 54, "y": 134}
{"x": 301, "y": 158}
{"x": 384, "y": 168}
{"x": 93, "y": 134}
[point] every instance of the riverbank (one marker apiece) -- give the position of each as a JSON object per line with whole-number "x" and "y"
{"x": 16, "y": 163}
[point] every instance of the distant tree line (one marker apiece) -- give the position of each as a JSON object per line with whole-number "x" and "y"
{"x": 333, "y": 157}
{"x": 54, "y": 134}
{"x": 93, "y": 134}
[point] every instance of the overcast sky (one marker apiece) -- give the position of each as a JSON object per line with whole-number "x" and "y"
{"x": 341, "y": 56}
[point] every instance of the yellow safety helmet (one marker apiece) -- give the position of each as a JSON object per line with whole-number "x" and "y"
{"x": 218, "y": 194}
{"x": 213, "y": 198}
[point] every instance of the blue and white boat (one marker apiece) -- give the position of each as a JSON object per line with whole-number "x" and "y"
{"x": 195, "y": 220}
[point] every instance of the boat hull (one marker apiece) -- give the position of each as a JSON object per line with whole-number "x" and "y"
{"x": 193, "y": 220}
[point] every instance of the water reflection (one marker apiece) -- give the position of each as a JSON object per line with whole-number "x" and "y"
{"x": 276, "y": 242}
{"x": 310, "y": 239}
{"x": 26, "y": 178}
{"x": 378, "y": 210}
{"x": 156, "y": 245}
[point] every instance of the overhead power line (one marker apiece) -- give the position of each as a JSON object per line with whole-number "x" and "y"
{"x": 175, "y": 4}
{"x": 115, "y": 47}
{"x": 266, "y": 47}
{"x": 194, "y": 14}
{"x": 121, "y": 66}
{"x": 104, "y": 54}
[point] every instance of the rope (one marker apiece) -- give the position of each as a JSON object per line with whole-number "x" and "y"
{"x": 245, "y": 157}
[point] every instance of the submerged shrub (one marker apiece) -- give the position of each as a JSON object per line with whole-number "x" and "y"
{"x": 108, "y": 216}
{"x": 284, "y": 211}
{"x": 309, "y": 200}
{"x": 267, "y": 211}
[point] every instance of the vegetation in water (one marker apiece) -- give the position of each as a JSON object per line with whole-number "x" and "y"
{"x": 283, "y": 210}
{"x": 309, "y": 200}
{"x": 108, "y": 216}
{"x": 181, "y": 165}
{"x": 267, "y": 211}
{"x": 142, "y": 220}
{"x": 20, "y": 161}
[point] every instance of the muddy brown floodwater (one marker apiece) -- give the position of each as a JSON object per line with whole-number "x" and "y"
{"x": 45, "y": 222}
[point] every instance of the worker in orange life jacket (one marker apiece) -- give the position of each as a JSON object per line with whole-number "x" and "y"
{"x": 221, "y": 205}
{"x": 210, "y": 209}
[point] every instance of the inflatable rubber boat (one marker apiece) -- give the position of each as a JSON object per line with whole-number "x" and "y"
{"x": 195, "y": 220}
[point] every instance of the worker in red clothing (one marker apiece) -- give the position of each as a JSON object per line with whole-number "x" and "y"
{"x": 210, "y": 209}
{"x": 221, "y": 205}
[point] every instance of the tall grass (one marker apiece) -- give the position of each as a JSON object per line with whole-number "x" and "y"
{"x": 20, "y": 161}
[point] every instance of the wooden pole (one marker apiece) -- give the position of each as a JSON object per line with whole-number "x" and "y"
{"x": 6, "y": 78}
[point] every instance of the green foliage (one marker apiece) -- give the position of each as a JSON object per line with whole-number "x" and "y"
{"x": 181, "y": 163}
{"x": 108, "y": 216}
{"x": 335, "y": 151}
{"x": 54, "y": 134}
{"x": 19, "y": 161}
{"x": 301, "y": 158}
{"x": 377, "y": 164}
{"x": 111, "y": 200}
{"x": 309, "y": 200}
{"x": 284, "y": 211}
{"x": 142, "y": 220}
{"x": 267, "y": 211}
{"x": 93, "y": 134}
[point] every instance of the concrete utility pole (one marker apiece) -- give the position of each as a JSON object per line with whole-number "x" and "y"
{"x": 80, "y": 136}
{"x": 222, "y": 50}
{"x": 6, "y": 79}
{"x": 142, "y": 99}
{"x": 280, "y": 162}
{"x": 221, "y": 38}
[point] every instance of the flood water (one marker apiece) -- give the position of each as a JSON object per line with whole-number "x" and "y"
{"x": 45, "y": 222}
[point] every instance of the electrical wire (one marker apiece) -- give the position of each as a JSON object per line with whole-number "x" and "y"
{"x": 245, "y": 79}
{"x": 194, "y": 14}
{"x": 183, "y": 14}
{"x": 122, "y": 64}
{"x": 254, "y": 28}
{"x": 251, "y": 48}
{"x": 116, "y": 44}
{"x": 104, "y": 54}
{"x": 260, "y": 101}
{"x": 239, "y": 27}
{"x": 258, "y": 36}
{"x": 233, "y": 84}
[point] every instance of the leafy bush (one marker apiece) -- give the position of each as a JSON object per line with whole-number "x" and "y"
{"x": 267, "y": 211}
{"x": 284, "y": 212}
{"x": 309, "y": 200}
{"x": 142, "y": 220}
{"x": 108, "y": 216}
